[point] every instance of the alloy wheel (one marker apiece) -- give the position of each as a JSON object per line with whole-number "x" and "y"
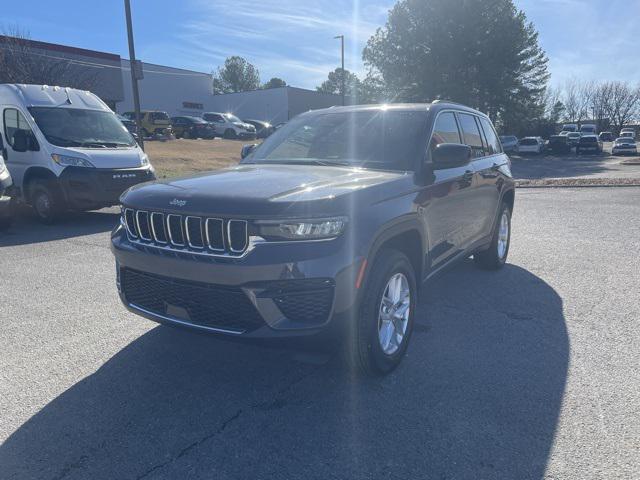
{"x": 393, "y": 316}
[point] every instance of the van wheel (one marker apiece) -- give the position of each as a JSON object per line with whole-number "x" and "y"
{"x": 46, "y": 201}
{"x": 230, "y": 134}
{"x": 381, "y": 331}
{"x": 494, "y": 257}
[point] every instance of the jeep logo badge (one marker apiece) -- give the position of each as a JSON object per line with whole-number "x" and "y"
{"x": 178, "y": 203}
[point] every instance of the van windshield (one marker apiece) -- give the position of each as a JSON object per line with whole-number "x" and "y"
{"x": 75, "y": 127}
{"x": 384, "y": 140}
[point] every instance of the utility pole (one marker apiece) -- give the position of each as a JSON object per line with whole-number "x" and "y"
{"x": 134, "y": 74}
{"x": 342, "y": 79}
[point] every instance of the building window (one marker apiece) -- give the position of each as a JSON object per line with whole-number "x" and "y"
{"x": 193, "y": 106}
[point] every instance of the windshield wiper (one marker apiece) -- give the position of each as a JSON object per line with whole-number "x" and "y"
{"x": 67, "y": 142}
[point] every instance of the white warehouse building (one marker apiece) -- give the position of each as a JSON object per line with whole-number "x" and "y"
{"x": 173, "y": 90}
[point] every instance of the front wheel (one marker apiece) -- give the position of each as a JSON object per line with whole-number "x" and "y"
{"x": 382, "y": 328}
{"x": 494, "y": 257}
{"x": 230, "y": 134}
{"x": 46, "y": 201}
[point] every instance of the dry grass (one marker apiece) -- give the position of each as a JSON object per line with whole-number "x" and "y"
{"x": 183, "y": 157}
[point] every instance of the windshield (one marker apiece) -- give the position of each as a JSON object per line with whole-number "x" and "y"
{"x": 625, "y": 140}
{"x": 386, "y": 140}
{"x": 528, "y": 141}
{"x": 232, "y": 118}
{"x": 74, "y": 127}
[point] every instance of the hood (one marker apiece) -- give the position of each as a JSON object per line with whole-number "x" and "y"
{"x": 106, "y": 157}
{"x": 265, "y": 190}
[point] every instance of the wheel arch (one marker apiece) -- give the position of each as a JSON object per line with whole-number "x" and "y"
{"x": 407, "y": 238}
{"x": 35, "y": 173}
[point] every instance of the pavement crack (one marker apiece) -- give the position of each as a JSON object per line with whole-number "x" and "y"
{"x": 191, "y": 446}
{"x": 70, "y": 467}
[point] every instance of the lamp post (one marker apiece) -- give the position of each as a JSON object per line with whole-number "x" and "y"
{"x": 134, "y": 73}
{"x": 341, "y": 37}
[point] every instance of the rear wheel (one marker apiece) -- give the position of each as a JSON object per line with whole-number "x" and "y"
{"x": 380, "y": 334}
{"x": 494, "y": 257}
{"x": 230, "y": 134}
{"x": 46, "y": 200}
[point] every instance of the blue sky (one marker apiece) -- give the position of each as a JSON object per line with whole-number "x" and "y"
{"x": 293, "y": 39}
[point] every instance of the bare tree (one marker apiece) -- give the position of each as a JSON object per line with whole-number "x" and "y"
{"x": 622, "y": 104}
{"x": 21, "y": 62}
{"x": 571, "y": 100}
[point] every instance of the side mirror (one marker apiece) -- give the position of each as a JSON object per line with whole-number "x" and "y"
{"x": 20, "y": 141}
{"x": 451, "y": 155}
{"x": 247, "y": 149}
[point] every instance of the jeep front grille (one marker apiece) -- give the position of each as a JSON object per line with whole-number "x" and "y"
{"x": 187, "y": 233}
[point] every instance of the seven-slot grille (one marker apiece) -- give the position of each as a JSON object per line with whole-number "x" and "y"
{"x": 214, "y": 236}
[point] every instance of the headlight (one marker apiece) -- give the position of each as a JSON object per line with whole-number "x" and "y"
{"x": 313, "y": 229}
{"x": 66, "y": 161}
{"x": 144, "y": 159}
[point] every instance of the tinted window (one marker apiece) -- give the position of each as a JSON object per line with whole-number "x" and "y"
{"x": 493, "y": 144}
{"x": 378, "y": 139}
{"x": 213, "y": 117}
{"x": 14, "y": 121}
{"x": 445, "y": 130}
{"x": 528, "y": 141}
{"x": 159, "y": 116}
{"x": 471, "y": 134}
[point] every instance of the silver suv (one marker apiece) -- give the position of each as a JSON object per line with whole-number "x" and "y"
{"x": 227, "y": 125}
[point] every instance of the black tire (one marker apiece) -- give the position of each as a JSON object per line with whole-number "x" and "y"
{"x": 186, "y": 134}
{"x": 46, "y": 200}
{"x": 363, "y": 348}
{"x": 491, "y": 258}
{"x": 230, "y": 134}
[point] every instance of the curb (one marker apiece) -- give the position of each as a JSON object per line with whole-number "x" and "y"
{"x": 594, "y": 185}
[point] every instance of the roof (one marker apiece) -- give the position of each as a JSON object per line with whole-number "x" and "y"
{"x": 415, "y": 107}
{"x": 46, "y": 96}
{"x": 54, "y": 47}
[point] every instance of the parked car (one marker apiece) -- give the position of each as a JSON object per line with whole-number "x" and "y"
{"x": 531, "y": 145}
{"x": 152, "y": 122}
{"x": 263, "y": 129}
{"x": 628, "y": 129}
{"x": 509, "y": 143}
{"x": 573, "y": 138}
{"x": 304, "y": 245}
{"x": 559, "y": 144}
{"x": 624, "y": 146}
{"x": 6, "y": 214}
{"x": 628, "y": 134}
{"x": 192, "y": 127}
{"x": 229, "y": 126}
{"x": 589, "y": 144}
{"x": 606, "y": 136}
{"x": 588, "y": 129}
{"x": 66, "y": 149}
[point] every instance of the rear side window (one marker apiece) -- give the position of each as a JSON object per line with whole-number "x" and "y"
{"x": 493, "y": 144}
{"x": 14, "y": 121}
{"x": 471, "y": 134}
{"x": 445, "y": 130}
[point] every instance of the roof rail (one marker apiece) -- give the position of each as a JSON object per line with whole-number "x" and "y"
{"x": 439, "y": 100}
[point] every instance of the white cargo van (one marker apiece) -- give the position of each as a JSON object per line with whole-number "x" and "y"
{"x": 65, "y": 149}
{"x": 588, "y": 129}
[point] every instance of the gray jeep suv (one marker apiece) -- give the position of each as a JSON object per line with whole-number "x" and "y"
{"x": 327, "y": 228}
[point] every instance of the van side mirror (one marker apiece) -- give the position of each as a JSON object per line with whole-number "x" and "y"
{"x": 450, "y": 155}
{"x": 247, "y": 149}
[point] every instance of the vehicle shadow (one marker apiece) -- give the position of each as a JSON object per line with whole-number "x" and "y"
{"x": 26, "y": 229}
{"x": 478, "y": 396}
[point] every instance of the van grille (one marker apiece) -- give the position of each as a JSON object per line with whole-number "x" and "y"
{"x": 214, "y": 236}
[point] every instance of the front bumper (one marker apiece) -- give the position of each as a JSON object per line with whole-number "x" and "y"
{"x": 279, "y": 290}
{"x": 91, "y": 188}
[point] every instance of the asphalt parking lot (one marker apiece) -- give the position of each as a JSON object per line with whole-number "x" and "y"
{"x": 570, "y": 165}
{"x": 527, "y": 373}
